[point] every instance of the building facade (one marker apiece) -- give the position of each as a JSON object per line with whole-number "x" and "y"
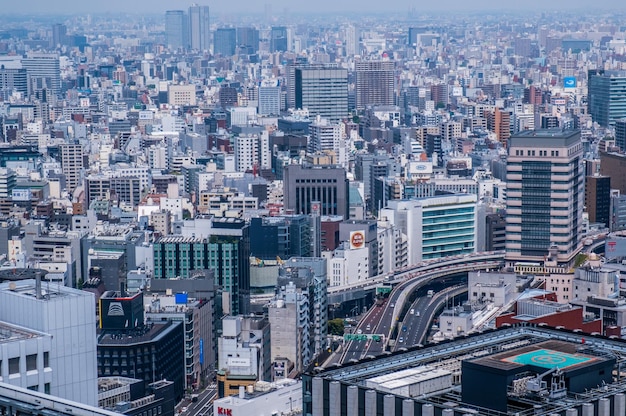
{"x": 323, "y": 91}
{"x": 69, "y": 317}
{"x": 328, "y": 185}
{"x": 545, "y": 195}
{"x": 375, "y": 83}
{"x": 607, "y": 96}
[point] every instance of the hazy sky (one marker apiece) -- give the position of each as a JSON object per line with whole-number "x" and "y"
{"x": 278, "y": 6}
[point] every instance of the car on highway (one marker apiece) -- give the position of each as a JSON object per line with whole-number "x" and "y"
{"x": 412, "y": 312}
{"x": 391, "y": 305}
{"x": 401, "y": 339}
{"x": 359, "y": 332}
{"x": 368, "y": 327}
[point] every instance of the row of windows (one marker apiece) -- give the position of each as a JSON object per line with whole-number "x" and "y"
{"x": 31, "y": 363}
{"x": 553, "y": 153}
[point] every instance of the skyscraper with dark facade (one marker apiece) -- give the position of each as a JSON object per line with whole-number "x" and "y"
{"x": 598, "y": 199}
{"x": 225, "y": 41}
{"x": 284, "y": 236}
{"x": 199, "y": 33}
{"x": 545, "y": 195}
{"x": 248, "y": 40}
{"x": 278, "y": 39}
{"x": 323, "y": 90}
{"x": 176, "y": 29}
{"x": 323, "y": 184}
{"x": 13, "y": 80}
{"x": 59, "y": 35}
{"x": 375, "y": 83}
{"x": 620, "y": 134}
{"x": 607, "y": 96}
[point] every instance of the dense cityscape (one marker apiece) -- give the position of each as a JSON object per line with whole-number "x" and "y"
{"x": 275, "y": 212}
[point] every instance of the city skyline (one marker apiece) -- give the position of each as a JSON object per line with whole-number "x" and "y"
{"x": 35, "y": 7}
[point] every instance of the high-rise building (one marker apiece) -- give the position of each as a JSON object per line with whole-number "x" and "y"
{"x": 598, "y": 199}
{"x": 326, "y": 184}
{"x": 221, "y": 245}
{"x": 522, "y": 47}
{"x": 71, "y": 164}
{"x": 252, "y": 151}
{"x": 613, "y": 164}
{"x": 353, "y": 40}
{"x": 324, "y": 136}
{"x": 290, "y": 326}
{"x": 43, "y": 71}
{"x": 499, "y": 122}
{"x": 199, "y": 33}
{"x": 375, "y": 83}
{"x": 59, "y": 35}
{"x": 545, "y": 195}
{"x": 607, "y": 96}
{"x": 248, "y": 40}
{"x": 323, "y": 91}
{"x": 270, "y": 98}
{"x": 620, "y": 134}
{"x": 13, "y": 80}
{"x": 225, "y": 41}
{"x": 283, "y": 236}
{"x": 176, "y": 29}
{"x": 278, "y": 39}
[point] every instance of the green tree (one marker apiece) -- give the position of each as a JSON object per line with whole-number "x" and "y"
{"x": 335, "y": 326}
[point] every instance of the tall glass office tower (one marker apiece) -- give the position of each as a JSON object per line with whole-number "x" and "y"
{"x": 607, "y": 96}
{"x": 176, "y": 29}
{"x": 199, "y": 33}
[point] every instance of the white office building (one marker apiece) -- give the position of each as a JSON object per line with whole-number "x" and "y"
{"x": 25, "y": 358}
{"x": 69, "y": 317}
{"x": 435, "y": 227}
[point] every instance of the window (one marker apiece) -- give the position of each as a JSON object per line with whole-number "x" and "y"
{"x": 14, "y": 365}
{"x": 31, "y": 362}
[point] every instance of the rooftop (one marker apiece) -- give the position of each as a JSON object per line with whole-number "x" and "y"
{"x": 12, "y": 333}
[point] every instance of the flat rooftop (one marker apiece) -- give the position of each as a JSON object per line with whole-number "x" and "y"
{"x": 547, "y": 358}
{"x": 547, "y": 354}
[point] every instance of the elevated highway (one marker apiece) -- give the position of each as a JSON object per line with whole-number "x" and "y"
{"x": 382, "y": 318}
{"x": 357, "y": 290}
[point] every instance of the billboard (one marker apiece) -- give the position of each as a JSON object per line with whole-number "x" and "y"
{"x": 21, "y": 194}
{"x": 181, "y": 298}
{"x": 357, "y": 239}
{"x": 121, "y": 313}
{"x": 615, "y": 247}
{"x": 569, "y": 82}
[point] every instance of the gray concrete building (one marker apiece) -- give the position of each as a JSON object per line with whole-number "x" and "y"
{"x": 306, "y": 184}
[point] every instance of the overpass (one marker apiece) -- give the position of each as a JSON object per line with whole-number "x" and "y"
{"x": 358, "y": 290}
{"x": 407, "y": 280}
